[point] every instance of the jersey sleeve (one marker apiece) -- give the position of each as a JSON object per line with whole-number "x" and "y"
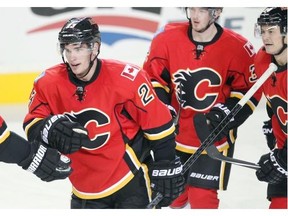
{"x": 38, "y": 109}
{"x": 13, "y": 148}
{"x": 241, "y": 77}
{"x": 153, "y": 117}
{"x": 4, "y": 132}
{"x": 157, "y": 66}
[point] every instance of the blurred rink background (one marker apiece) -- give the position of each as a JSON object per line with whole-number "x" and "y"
{"x": 30, "y": 47}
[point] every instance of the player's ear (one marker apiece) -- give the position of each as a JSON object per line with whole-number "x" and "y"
{"x": 95, "y": 49}
{"x": 218, "y": 12}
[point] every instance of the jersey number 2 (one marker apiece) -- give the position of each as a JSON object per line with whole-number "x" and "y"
{"x": 145, "y": 94}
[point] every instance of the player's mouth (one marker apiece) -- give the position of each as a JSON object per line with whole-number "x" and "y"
{"x": 268, "y": 44}
{"x": 74, "y": 66}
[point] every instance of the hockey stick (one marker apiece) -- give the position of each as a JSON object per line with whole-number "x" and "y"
{"x": 203, "y": 131}
{"x": 155, "y": 201}
{"x": 272, "y": 67}
{"x": 213, "y": 152}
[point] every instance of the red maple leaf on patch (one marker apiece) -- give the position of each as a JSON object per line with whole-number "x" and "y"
{"x": 130, "y": 70}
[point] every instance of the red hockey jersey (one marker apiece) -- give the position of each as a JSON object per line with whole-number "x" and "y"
{"x": 4, "y": 132}
{"x": 205, "y": 74}
{"x": 115, "y": 105}
{"x": 275, "y": 90}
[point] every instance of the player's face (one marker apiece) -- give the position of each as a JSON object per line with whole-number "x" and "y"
{"x": 78, "y": 56}
{"x": 200, "y": 18}
{"x": 272, "y": 38}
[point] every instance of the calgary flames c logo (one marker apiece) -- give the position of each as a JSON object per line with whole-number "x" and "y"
{"x": 279, "y": 106}
{"x": 94, "y": 120}
{"x": 199, "y": 88}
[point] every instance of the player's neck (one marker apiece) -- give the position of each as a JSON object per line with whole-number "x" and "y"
{"x": 205, "y": 36}
{"x": 90, "y": 74}
{"x": 282, "y": 58}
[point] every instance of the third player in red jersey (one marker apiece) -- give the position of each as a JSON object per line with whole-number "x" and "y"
{"x": 272, "y": 27}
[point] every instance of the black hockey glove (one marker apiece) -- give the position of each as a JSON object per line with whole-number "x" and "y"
{"x": 166, "y": 178}
{"x": 268, "y": 132}
{"x": 273, "y": 168}
{"x": 61, "y": 133}
{"x": 215, "y": 116}
{"x": 46, "y": 163}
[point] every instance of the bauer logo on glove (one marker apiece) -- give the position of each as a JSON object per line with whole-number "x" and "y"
{"x": 166, "y": 179}
{"x": 48, "y": 126}
{"x": 167, "y": 172}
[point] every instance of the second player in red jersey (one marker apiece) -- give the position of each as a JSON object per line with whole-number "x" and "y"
{"x": 201, "y": 67}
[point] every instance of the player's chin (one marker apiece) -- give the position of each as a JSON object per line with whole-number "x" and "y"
{"x": 271, "y": 50}
{"x": 79, "y": 73}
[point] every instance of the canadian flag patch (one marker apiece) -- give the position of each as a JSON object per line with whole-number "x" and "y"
{"x": 130, "y": 72}
{"x": 249, "y": 49}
